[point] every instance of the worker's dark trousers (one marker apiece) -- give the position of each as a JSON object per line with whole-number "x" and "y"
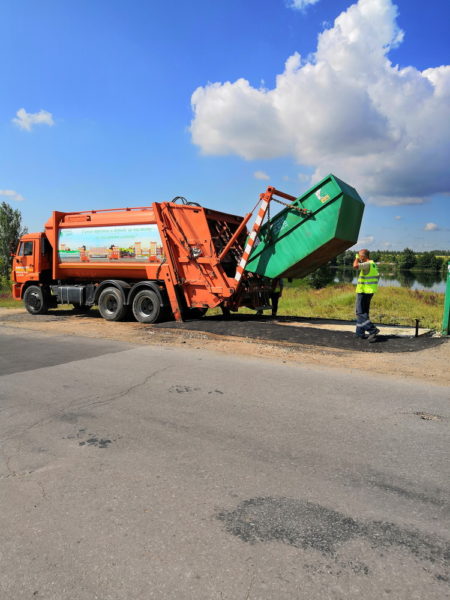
{"x": 363, "y": 322}
{"x": 274, "y": 297}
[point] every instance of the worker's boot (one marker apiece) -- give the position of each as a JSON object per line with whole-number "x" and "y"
{"x": 373, "y": 335}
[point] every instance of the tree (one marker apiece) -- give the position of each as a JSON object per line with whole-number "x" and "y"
{"x": 321, "y": 277}
{"x": 407, "y": 259}
{"x": 11, "y": 230}
{"x": 345, "y": 259}
{"x": 333, "y": 262}
{"x": 428, "y": 260}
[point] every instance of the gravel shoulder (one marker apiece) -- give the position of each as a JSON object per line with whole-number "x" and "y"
{"x": 424, "y": 359}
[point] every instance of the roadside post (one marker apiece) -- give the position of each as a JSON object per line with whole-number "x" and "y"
{"x": 446, "y": 316}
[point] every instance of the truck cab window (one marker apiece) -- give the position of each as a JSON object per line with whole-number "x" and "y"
{"x": 26, "y": 249}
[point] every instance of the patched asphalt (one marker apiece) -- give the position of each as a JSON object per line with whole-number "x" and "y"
{"x": 265, "y": 328}
{"x": 311, "y": 526}
{"x": 47, "y": 353}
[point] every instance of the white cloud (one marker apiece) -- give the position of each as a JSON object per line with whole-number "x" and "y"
{"x": 368, "y": 239}
{"x": 301, "y": 4}
{"x": 26, "y": 121}
{"x": 303, "y": 177}
{"x": 431, "y": 227}
{"x": 347, "y": 110}
{"x": 12, "y": 195}
{"x": 397, "y": 217}
{"x": 261, "y": 175}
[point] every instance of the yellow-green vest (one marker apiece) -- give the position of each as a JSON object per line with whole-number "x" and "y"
{"x": 368, "y": 284}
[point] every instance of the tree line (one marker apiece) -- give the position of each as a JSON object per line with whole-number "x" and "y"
{"x": 407, "y": 259}
{"x": 11, "y": 230}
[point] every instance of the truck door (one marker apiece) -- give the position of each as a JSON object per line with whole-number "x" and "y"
{"x": 26, "y": 261}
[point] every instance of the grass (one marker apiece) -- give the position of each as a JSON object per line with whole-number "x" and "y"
{"x": 6, "y": 300}
{"x": 390, "y": 305}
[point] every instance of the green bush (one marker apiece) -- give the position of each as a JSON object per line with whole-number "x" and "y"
{"x": 5, "y": 284}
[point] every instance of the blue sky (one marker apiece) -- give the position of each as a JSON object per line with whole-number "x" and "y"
{"x": 115, "y": 80}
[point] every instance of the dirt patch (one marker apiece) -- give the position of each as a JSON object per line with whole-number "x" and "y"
{"x": 292, "y": 330}
{"x": 430, "y": 363}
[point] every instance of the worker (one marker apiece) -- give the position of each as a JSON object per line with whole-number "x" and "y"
{"x": 365, "y": 289}
{"x": 275, "y": 294}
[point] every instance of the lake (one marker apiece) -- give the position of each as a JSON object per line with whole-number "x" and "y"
{"x": 420, "y": 280}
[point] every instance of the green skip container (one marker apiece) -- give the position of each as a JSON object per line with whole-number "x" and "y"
{"x": 294, "y": 245}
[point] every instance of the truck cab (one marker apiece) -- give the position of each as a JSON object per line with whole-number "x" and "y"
{"x": 31, "y": 263}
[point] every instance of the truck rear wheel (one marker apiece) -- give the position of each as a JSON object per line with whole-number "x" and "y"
{"x": 35, "y": 300}
{"x": 146, "y": 306}
{"x": 111, "y": 304}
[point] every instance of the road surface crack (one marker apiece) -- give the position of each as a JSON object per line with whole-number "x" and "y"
{"x": 118, "y": 396}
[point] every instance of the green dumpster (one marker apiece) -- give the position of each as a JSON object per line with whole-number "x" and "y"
{"x": 292, "y": 244}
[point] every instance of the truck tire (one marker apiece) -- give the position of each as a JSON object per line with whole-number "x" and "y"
{"x": 111, "y": 304}
{"x": 146, "y": 306}
{"x": 35, "y": 300}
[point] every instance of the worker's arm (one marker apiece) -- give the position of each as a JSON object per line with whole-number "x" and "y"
{"x": 363, "y": 266}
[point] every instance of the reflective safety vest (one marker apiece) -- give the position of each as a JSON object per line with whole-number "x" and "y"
{"x": 368, "y": 283}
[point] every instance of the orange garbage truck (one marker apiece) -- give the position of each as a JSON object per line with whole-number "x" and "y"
{"x": 168, "y": 260}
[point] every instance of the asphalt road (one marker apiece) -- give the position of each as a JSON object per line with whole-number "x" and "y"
{"x": 139, "y": 472}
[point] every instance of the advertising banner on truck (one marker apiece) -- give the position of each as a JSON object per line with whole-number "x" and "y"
{"x": 122, "y": 243}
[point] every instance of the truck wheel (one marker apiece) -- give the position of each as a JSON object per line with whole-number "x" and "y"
{"x": 146, "y": 306}
{"x": 35, "y": 300}
{"x": 111, "y": 305}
